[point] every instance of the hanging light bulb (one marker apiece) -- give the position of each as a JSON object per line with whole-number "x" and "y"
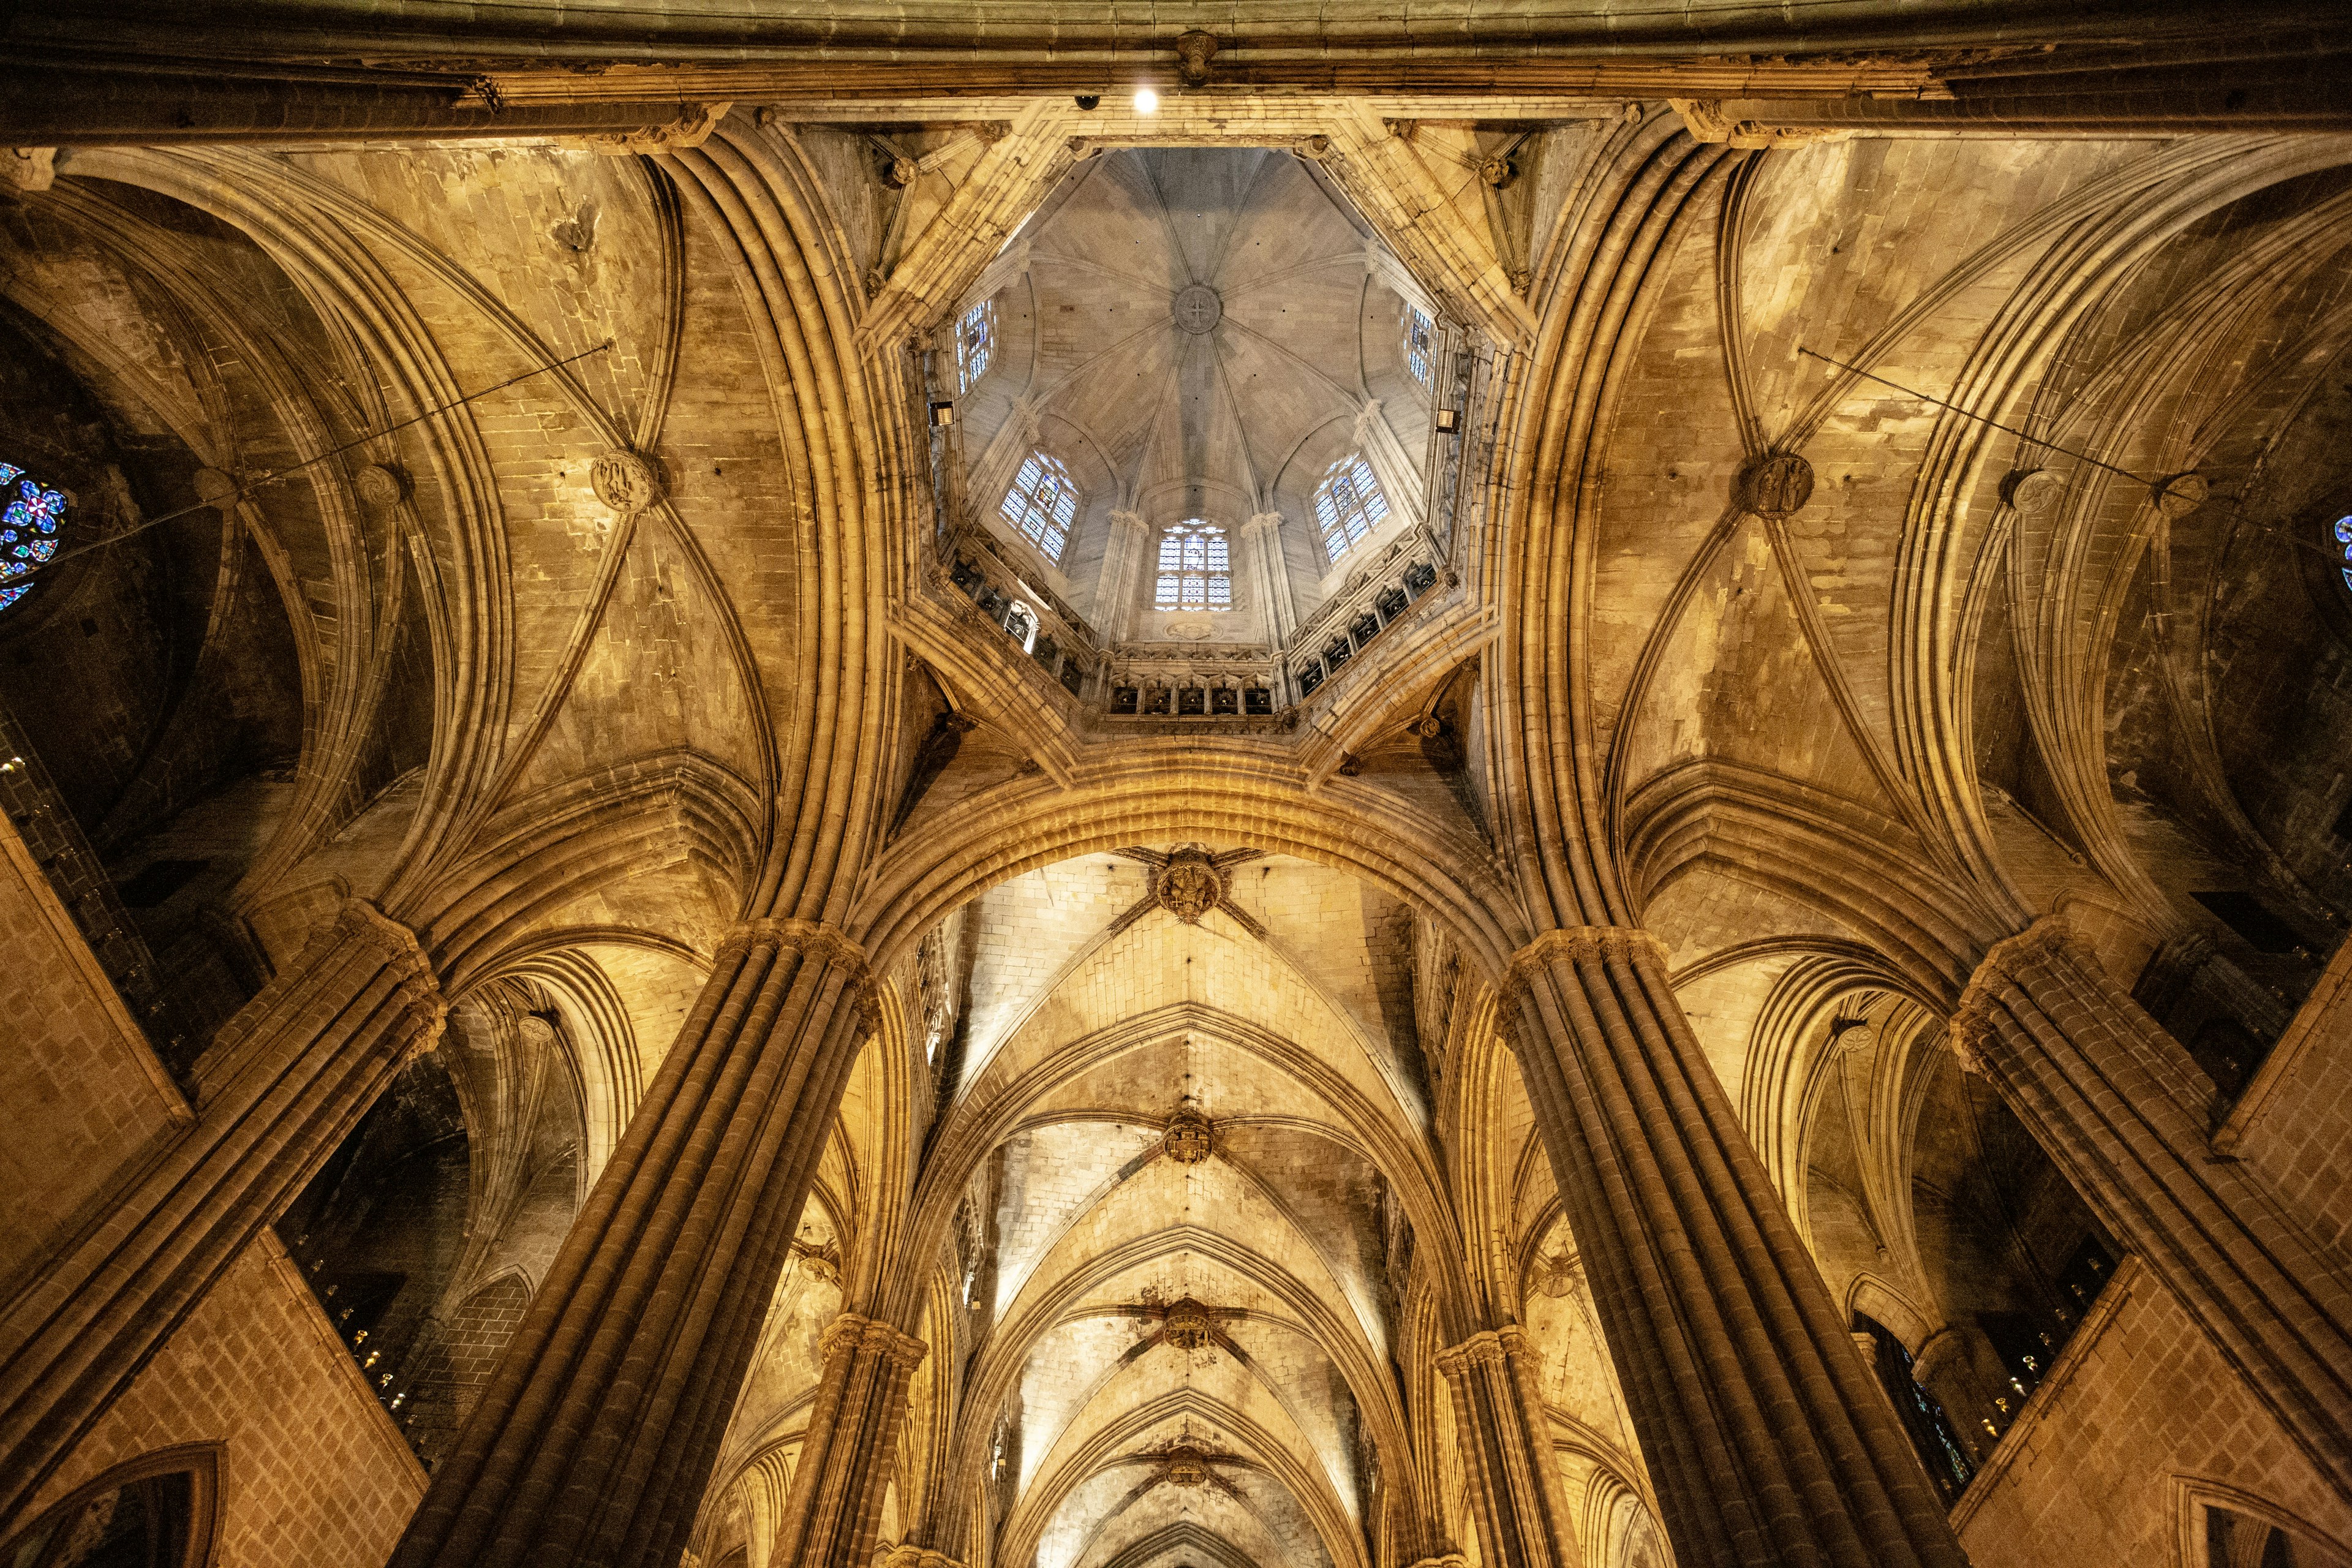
{"x": 1146, "y": 100}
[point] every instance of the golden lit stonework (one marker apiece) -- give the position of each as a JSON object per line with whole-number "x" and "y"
{"x": 1187, "y": 1139}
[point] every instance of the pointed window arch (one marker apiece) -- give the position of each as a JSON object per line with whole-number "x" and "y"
{"x": 1421, "y": 346}
{"x": 1348, "y": 504}
{"x": 1042, "y": 504}
{"x": 29, "y": 526}
{"x": 975, "y": 344}
{"x": 1196, "y": 568}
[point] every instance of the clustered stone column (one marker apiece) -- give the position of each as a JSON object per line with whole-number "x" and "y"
{"x": 1269, "y": 579}
{"x": 594, "y": 1437}
{"x": 2118, "y": 1106}
{"x": 1121, "y": 582}
{"x": 845, "y": 1460}
{"x": 1507, "y": 1451}
{"x": 282, "y": 1084}
{"x": 1766, "y": 1437}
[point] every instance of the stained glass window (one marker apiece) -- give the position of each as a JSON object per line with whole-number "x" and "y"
{"x": 1349, "y": 505}
{"x": 1196, "y": 570}
{"x": 2343, "y": 545}
{"x": 975, "y": 343}
{"x": 1420, "y": 353}
{"x": 1042, "y": 504}
{"x": 29, "y": 528}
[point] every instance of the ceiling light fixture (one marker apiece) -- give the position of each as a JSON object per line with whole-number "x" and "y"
{"x": 1146, "y": 100}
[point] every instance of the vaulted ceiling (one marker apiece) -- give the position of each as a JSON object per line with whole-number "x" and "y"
{"x": 1195, "y": 332}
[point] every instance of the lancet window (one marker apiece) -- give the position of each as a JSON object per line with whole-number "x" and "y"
{"x": 1420, "y": 346}
{"x": 1349, "y": 505}
{"x": 975, "y": 344}
{"x": 1196, "y": 568}
{"x": 1042, "y": 504}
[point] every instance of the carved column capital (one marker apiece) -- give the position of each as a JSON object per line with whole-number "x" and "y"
{"x": 1262, "y": 523}
{"x": 1492, "y": 1347}
{"x": 1571, "y": 943}
{"x": 853, "y": 1334}
{"x": 905, "y": 1555}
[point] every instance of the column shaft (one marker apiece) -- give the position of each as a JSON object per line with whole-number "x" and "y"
{"x": 283, "y": 1084}
{"x": 1766, "y": 1437}
{"x": 2120, "y": 1107}
{"x": 1269, "y": 579}
{"x": 594, "y": 1437}
{"x": 846, "y": 1461}
{"x": 1120, "y": 585}
{"x": 1506, "y": 1450}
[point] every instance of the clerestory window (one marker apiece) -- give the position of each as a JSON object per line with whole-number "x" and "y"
{"x": 1042, "y": 504}
{"x": 29, "y": 528}
{"x": 1420, "y": 346}
{"x": 1196, "y": 568}
{"x": 975, "y": 343}
{"x": 1349, "y": 505}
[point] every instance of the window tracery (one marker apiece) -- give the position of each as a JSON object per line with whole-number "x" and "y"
{"x": 1420, "y": 346}
{"x": 975, "y": 343}
{"x": 28, "y": 530}
{"x": 1042, "y": 504}
{"x": 2344, "y": 548}
{"x": 1348, "y": 504}
{"x": 1196, "y": 568}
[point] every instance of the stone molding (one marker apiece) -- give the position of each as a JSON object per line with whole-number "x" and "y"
{"x": 820, "y": 940}
{"x": 419, "y": 988}
{"x": 853, "y": 1333}
{"x": 1490, "y": 1347}
{"x": 1574, "y": 943}
{"x": 908, "y": 1556}
{"x": 1972, "y": 1029}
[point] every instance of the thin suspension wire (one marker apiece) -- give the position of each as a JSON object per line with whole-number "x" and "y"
{"x": 276, "y": 474}
{"x": 1979, "y": 418}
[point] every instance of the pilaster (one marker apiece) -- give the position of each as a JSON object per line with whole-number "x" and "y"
{"x": 1768, "y": 1439}
{"x": 1507, "y": 1451}
{"x": 2120, "y": 1109}
{"x": 1261, "y": 541}
{"x": 1121, "y": 586}
{"x": 845, "y": 1460}
{"x": 595, "y": 1434}
{"x": 285, "y": 1081}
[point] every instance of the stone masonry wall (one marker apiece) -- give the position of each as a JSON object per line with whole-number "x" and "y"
{"x": 2140, "y": 1411}
{"x": 314, "y": 1474}
{"x": 87, "y": 1100}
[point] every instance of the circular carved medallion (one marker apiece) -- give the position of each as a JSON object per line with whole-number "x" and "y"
{"x": 1189, "y": 886}
{"x": 2033, "y": 492}
{"x": 1186, "y": 1468}
{"x": 1190, "y": 631}
{"x": 1188, "y": 1325}
{"x": 622, "y": 480}
{"x": 1197, "y": 309}
{"x": 381, "y": 484}
{"x": 2181, "y": 494}
{"x": 1188, "y": 1140}
{"x": 1776, "y": 485}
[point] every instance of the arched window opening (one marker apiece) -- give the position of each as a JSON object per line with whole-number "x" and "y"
{"x": 1042, "y": 504}
{"x": 28, "y": 530}
{"x": 1930, "y": 1430}
{"x": 975, "y": 344}
{"x": 1196, "y": 568}
{"x": 1349, "y": 505}
{"x": 1420, "y": 346}
{"x": 159, "y": 1511}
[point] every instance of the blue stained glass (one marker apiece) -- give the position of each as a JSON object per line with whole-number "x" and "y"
{"x": 2347, "y": 577}
{"x": 28, "y": 530}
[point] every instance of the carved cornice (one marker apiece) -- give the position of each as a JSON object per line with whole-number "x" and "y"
{"x": 851, "y": 1334}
